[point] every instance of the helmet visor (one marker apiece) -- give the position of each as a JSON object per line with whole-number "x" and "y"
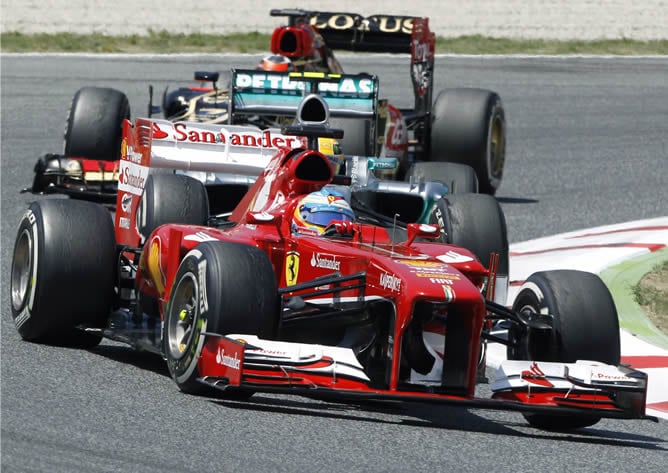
{"x": 324, "y": 218}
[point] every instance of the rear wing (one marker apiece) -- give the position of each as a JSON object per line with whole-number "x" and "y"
{"x": 378, "y": 33}
{"x": 152, "y": 143}
{"x": 354, "y": 32}
{"x": 260, "y": 92}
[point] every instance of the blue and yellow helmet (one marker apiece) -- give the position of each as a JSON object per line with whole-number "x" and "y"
{"x": 317, "y": 210}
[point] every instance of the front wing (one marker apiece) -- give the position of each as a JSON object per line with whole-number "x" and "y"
{"x": 245, "y": 361}
{"x": 79, "y": 178}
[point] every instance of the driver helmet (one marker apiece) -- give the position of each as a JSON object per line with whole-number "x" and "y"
{"x": 332, "y": 149}
{"x": 276, "y": 63}
{"x": 317, "y": 210}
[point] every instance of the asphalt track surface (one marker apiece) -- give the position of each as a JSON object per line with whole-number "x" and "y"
{"x": 587, "y": 147}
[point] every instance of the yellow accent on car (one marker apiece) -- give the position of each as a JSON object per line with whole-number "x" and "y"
{"x": 314, "y": 75}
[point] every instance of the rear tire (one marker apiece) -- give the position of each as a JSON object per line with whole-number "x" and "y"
{"x": 586, "y": 327}
{"x": 63, "y": 271}
{"x": 460, "y": 178}
{"x": 95, "y": 124}
{"x": 220, "y": 287}
{"x": 468, "y": 127}
{"x": 171, "y": 198}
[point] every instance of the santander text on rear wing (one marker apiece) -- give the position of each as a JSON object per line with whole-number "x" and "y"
{"x": 260, "y": 92}
{"x": 187, "y": 146}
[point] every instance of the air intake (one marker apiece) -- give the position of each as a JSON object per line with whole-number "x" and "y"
{"x": 313, "y": 111}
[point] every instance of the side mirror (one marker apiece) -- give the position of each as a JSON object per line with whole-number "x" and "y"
{"x": 205, "y": 76}
{"x": 422, "y": 230}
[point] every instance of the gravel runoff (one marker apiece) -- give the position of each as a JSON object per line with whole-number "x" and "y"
{"x": 549, "y": 19}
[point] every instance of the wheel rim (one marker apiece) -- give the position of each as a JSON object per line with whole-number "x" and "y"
{"x": 183, "y": 318}
{"x": 497, "y": 147}
{"x": 21, "y": 269}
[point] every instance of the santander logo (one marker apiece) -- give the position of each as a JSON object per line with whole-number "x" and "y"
{"x": 535, "y": 375}
{"x": 226, "y": 360}
{"x": 323, "y": 261}
{"x": 158, "y": 133}
{"x": 132, "y": 177}
{"x": 233, "y": 136}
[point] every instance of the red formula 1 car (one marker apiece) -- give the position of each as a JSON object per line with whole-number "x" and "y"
{"x": 293, "y": 293}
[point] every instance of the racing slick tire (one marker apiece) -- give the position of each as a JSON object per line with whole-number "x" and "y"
{"x": 460, "y": 178}
{"x": 220, "y": 287}
{"x": 356, "y": 140}
{"x": 475, "y": 222}
{"x": 171, "y": 198}
{"x": 468, "y": 127}
{"x": 94, "y": 127}
{"x": 586, "y": 327}
{"x": 63, "y": 271}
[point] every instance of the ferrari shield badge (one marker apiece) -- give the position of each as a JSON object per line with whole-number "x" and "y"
{"x": 291, "y": 268}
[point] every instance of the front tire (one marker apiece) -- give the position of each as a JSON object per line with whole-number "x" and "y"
{"x": 220, "y": 287}
{"x": 586, "y": 327}
{"x": 63, "y": 271}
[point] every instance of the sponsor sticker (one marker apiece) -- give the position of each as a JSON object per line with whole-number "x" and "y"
{"x": 325, "y": 261}
{"x": 449, "y": 293}
{"x": 441, "y": 281}
{"x": 535, "y": 375}
{"x": 437, "y": 274}
{"x": 201, "y": 278}
{"x": 124, "y": 222}
{"x": 345, "y": 21}
{"x": 420, "y": 263}
{"x": 199, "y": 237}
{"x": 452, "y": 257}
{"x": 347, "y": 86}
{"x": 223, "y": 358}
{"x": 129, "y": 153}
{"x": 291, "y": 268}
{"x": 22, "y": 317}
{"x": 30, "y": 216}
{"x": 158, "y": 133}
{"x": 126, "y": 202}
{"x": 226, "y": 360}
{"x": 154, "y": 266}
{"x": 132, "y": 177}
{"x": 390, "y": 282}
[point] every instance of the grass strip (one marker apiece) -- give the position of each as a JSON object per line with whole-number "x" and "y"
{"x": 163, "y": 42}
{"x": 622, "y": 281}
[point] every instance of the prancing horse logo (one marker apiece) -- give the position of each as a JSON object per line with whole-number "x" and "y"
{"x": 291, "y": 268}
